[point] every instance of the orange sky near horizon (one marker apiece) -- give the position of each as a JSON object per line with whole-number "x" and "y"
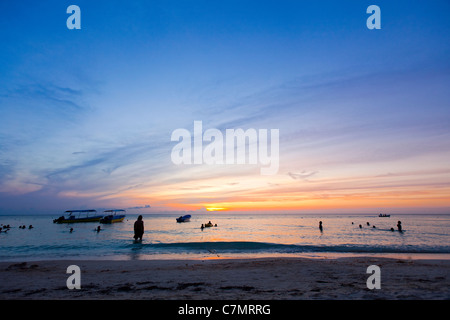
{"x": 425, "y": 189}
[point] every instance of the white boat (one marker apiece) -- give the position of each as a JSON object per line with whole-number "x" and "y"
{"x": 185, "y": 218}
{"x": 73, "y": 216}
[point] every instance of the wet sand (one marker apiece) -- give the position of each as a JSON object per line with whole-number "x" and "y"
{"x": 228, "y": 279}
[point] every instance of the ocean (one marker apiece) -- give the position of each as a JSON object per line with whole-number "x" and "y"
{"x": 236, "y": 236}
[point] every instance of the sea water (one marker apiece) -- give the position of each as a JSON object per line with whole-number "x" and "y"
{"x": 235, "y": 236}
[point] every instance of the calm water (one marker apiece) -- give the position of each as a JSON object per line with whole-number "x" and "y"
{"x": 236, "y": 236}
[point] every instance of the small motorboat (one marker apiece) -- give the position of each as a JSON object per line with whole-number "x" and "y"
{"x": 79, "y": 216}
{"x": 384, "y": 215}
{"x": 185, "y": 218}
{"x": 113, "y": 216}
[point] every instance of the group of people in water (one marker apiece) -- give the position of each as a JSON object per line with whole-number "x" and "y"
{"x": 139, "y": 228}
{"x": 207, "y": 225}
{"x": 4, "y": 228}
{"x": 399, "y": 226}
{"x": 7, "y": 227}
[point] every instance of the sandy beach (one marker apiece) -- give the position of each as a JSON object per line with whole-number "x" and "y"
{"x": 228, "y": 279}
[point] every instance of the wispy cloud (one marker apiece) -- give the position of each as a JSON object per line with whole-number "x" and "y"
{"x": 49, "y": 96}
{"x": 147, "y": 206}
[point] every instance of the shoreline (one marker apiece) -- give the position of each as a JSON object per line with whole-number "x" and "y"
{"x": 269, "y": 278}
{"x": 212, "y": 255}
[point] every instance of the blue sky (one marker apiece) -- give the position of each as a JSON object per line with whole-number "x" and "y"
{"x": 86, "y": 115}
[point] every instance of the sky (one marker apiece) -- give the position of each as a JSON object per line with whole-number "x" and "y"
{"x": 86, "y": 115}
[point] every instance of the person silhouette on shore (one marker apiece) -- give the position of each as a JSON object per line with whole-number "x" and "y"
{"x": 320, "y": 226}
{"x": 138, "y": 229}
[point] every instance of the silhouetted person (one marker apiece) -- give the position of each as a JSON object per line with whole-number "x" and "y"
{"x": 138, "y": 228}
{"x": 360, "y": 226}
{"x": 320, "y": 226}
{"x": 399, "y": 226}
{"x": 71, "y": 229}
{"x": 98, "y": 229}
{"x": 202, "y": 227}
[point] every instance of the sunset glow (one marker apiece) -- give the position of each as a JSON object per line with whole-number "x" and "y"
{"x": 215, "y": 209}
{"x": 87, "y": 115}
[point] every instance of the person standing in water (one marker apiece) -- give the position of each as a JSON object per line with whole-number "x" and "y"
{"x": 138, "y": 228}
{"x": 399, "y": 226}
{"x": 320, "y": 226}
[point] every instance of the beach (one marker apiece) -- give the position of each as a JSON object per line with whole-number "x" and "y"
{"x": 228, "y": 279}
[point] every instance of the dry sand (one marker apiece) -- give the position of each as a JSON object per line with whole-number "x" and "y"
{"x": 228, "y": 279}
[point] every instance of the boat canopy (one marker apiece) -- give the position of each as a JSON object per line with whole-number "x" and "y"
{"x": 79, "y": 216}
{"x": 70, "y": 212}
{"x": 114, "y": 211}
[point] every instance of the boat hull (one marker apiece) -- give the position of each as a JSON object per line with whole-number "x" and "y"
{"x": 186, "y": 218}
{"x": 109, "y": 219}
